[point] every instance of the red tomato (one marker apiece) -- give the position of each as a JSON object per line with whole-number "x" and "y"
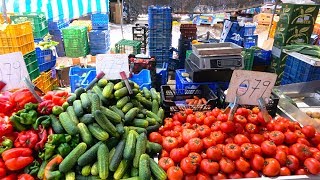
{"x": 209, "y": 120}
{"x": 219, "y": 176}
{"x": 299, "y": 134}
{"x": 188, "y": 166}
{"x": 195, "y": 157}
{"x": 283, "y": 148}
{"x": 226, "y": 165}
{"x": 190, "y": 177}
{"x": 313, "y": 150}
{"x": 277, "y": 137}
{"x": 255, "y": 110}
{"x": 191, "y": 118}
{"x": 227, "y": 127}
{"x": 312, "y": 165}
{"x": 204, "y": 131}
{"x": 217, "y": 136}
{"x": 240, "y": 119}
{"x": 292, "y": 163}
{"x": 214, "y": 153}
{"x": 251, "y": 128}
{"x": 281, "y": 126}
{"x": 25, "y": 177}
{"x": 169, "y": 143}
{"x": 222, "y": 117}
{"x": 271, "y": 167}
{"x": 257, "y": 162}
{"x": 316, "y": 155}
{"x": 253, "y": 118}
{"x": 232, "y": 151}
{"x": 177, "y": 154}
{"x": 242, "y": 165}
{"x": 177, "y": 123}
{"x": 188, "y": 111}
{"x": 216, "y": 126}
{"x": 262, "y": 120}
{"x": 235, "y": 175}
{"x": 268, "y": 148}
{"x": 155, "y": 137}
{"x": 257, "y": 149}
{"x": 175, "y": 173}
{"x": 180, "y": 141}
{"x": 195, "y": 145}
{"x": 204, "y": 155}
{"x": 229, "y": 140}
{"x": 316, "y": 139}
{"x": 301, "y": 171}
{"x": 164, "y": 153}
{"x": 308, "y": 131}
{"x": 200, "y": 117}
{"x": 186, "y": 147}
{"x": 208, "y": 142}
{"x": 290, "y": 137}
{"x": 242, "y": 111}
{"x": 215, "y": 112}
{"x": 284, "y": 171}
{"x": 301, "y": 151}
{"x": 188, "y": 134}
{"x": 186, "y": 126}
{"x": 251, "y": 174}
{"x": 203, "y": 176}
{"x": 281, "y": 157}
{"x": 241, "y": 139}
{"x": 178, "y": 128}
{"x": 165, "y": 163}
{"x": 238, "y": 128}
{"x": 209, "y": 166}
{"x": 247, "y": 150}
{"x": 303, "y": 141}
{"x": 257, "y": 139}
{"x": 182, "y": 116}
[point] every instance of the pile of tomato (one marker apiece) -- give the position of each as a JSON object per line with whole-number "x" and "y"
{"x": 205, "y": 145}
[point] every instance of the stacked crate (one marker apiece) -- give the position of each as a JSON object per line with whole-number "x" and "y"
{"x": 75, "y": 40}
{"x": 140, "y": 33}
{"x": 160, "y": 33}
{"x": 125, "y": 46}
{"x": 295, "y": 26}
{"x": 55, "y": 29}
{"x": 100, "y": 35}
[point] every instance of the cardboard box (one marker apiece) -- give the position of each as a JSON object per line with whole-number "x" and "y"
{"x": 292, "y": 34}
{"x": 302, "y": 14}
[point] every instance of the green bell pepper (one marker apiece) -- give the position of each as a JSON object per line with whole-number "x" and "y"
{"x": 49, "y": 151}
{"x": 64, "y": 149}
{"x": 5, "y": 145}
{"x": 29, "y": 117}
{"x": 30, "y": 106}
{"x": 44, "y": 120}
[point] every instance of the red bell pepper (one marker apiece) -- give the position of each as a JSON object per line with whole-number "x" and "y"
{"x": 26, "y": 139}
{"x": 3, "y": 170}
{"x": 5, "y": 126}
{"x": 51, "y": 165}
{"x": 6, "y": 106}
{"x": 22, "y": 97}
{"x": 25, "y": 177}
{"x": 17, "y": 158}
{"x": 43, "y": 135}
{"x": 60, "y": 97}
{"x": 10, "y": 177}
{"x": 45, "y": 107}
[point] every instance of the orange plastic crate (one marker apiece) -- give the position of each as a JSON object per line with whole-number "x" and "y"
{"x": 45, "y": 83}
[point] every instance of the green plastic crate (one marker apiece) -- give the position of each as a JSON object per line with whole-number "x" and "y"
{"x": 77, "y": 52}
{"x": 125, "y": 46}
{"x": 75, "y": 37}
{"x": 32, "y": 64}
{"x": 248, "y": 57}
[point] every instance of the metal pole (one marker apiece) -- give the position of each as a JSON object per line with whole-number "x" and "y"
{"x": 274, "y": 12}
{"x": 4, "y": 11}
{"x": 121, "y": 17}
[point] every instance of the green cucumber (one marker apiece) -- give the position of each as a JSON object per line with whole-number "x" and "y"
{"x": 136, "y": 103}
{"x": 153, "y": 148}
{"x": 130, "y": 115}
{"x": 140, "y": 115}
{"x": 71, "y": 99}
{"x": 140, "y": 123}
{"x": 85, "y": 134}
{"x": 112, "y": 116}
{"x": 140, "y": 149}
{"x": 86, "y": 170}
{"x": 153, "y": 128}
{"x": 121, "y": 170}
{"x": 107, "y": 90}
{"x": 146, "y": 103}
{"x": 153, "y": 115}
{"x": 94, "y": 169}
{"x": 68, "y": 125}
{"x": 151, "y": 121}
{"x": 98, "y": 91}
{"x": 95, "y": 103}
{"x": 127, "y": 107}
{"x": 98, "y": 132}
{"x": 121, "y": 92}
{"x": 85, "y": 101}
{"x": 111, "y": 153}
{"x": 146, "y": 92}
{"x": 134, "y": 171}
{"x": 87, "y": 119}
{"x": 112, "y": 142}
{"x": 120, "y": 128}
{"x": 79, "y": 91}
{"x": 70, "y": 176}
{"x": 122, "y": 102}
{"x": 118, "y": 111}
{"x": 118, "y": 86}
{"x": 89, "y": 156}
{"x": 157, "y": 171}
{"x": 155, "y": 106}
{"x": 72, "y": 114}
{"x": 71, "y": 159}
{"x": 130, "y": 147}
{"x": 138, "y": 129}
{"x": 117, "y": 157}
{"x": 160, "y": 114}
{"x": 144, "y": 167}
{"x": 103, "y": 121}
{"x": 154, "y": 94}
{"x": 103, "y": 161}
{"x": 56, "y": 125}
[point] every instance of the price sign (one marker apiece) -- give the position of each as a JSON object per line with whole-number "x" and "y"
{"x": 112, "y": 65}
{"x": 250, "y": 86}
{"x": 13, "y": 70}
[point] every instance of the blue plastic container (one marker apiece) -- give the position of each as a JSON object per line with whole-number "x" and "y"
{"x": 46, "y": 59}
{"x": 76, "y": 75}
{"x": 162, "y": 74}
{"x": 262, "y": 57}
{"x": 249, "y": 41}
{"x": 249, "y": 30}
{"x": 100, "y": 21}
{"x": 57, "y": 25}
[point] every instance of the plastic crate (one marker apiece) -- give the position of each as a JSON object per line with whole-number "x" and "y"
{"x": 125, "y": 46}
{"x": 175, "y": 64}
{"x": 139, "y": 29}
{"x": 76, "y": 52}
{"x": 57, "y": 36}
{"x": 162, "y": 74}
{"x": 58, "y": 25}
{"x": 174, "y": 100}
{"x": 250, "y": 41}
{"x": 46, "y": 59}
{"x": 47, "y": 81}
{"x": 100, "y": 21}
{"x": 16, "y": 37}
{"x": 262, "y": 57}
{"x": 76, "y": 75}
{"x": 249, "y": 30}
{"x": 248, "y": 57}
{"x": 32, "y": 64}
{"x": 84, "y": 23}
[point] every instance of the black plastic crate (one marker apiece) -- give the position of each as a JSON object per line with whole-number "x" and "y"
{"x": 174, "y": 100}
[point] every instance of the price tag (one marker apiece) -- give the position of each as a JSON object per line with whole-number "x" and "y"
{"x": 250, "y": 86}
{"x": 112, "y": 65}
{"x": 13, "y": 70}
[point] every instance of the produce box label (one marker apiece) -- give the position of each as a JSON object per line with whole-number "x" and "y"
{"x": 299, "y": 14}
{"x": 293, "y": 34}
{"x": 278, "y": 65}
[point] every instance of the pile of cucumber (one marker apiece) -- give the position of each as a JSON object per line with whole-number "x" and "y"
{"x": 113, "y": 126}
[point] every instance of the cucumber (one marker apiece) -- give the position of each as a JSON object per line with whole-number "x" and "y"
{"x": 132, "y": 178}
{"x": 126, "y": 132}
{"x": 86, "y": 170}
{"x": 154, "y": 94}
{"x": 126, "y": 174}
{"x": 120, "y": 128}
{"x": 135, "y": 91}
{"x": 103, "y": 161}
{"x": 157, "y": 171}
{"x": 112, "y": 116}
{"x": 118, "y": 111}
{"x": 72, "y": 114}
{"x": 56, "y": 125}
{"x": 71, "y": 99}
{"x": 98, "y": 132}
{"x": 98, "y": 91}
{"x": 160, "y": 114}
{"x": 65, "y": 105}
{"x": 70, "y": 176}
{"x": 116, "y": 159}
{"x": 127, "y": 107}
{"x": 103, "y": 121}
{"x": 111, "y": 153}
{"x": 134, "y": 171}
{"x": 140, "y": 149}
{"x": 80, "y": 177}
{"x": 85, "y": 101}
{"x": 146, "y": 103}
{"x": 71, "y": 159}
{"x": 140, "y": 115}
{"x": 121, "y": 170}
{"x": 89, "y": 156}
{"x": 85, "y": 134}
{"x": 95, "y": 103}
{"x": 130, "y": 147}
{"x": 87, "y": 119}
{"x": 155, "y": 106}
{"x": 143, "y": 111}
{"x": 122, "y": 102}
{"x": 130, "y": 115}
{"x": 151, "y": 121}
{"x": 146, "y": 92}
{"x": 107, "y": 90}
{"x": 153, "y": 128}
{"x": 153, "y": 115}
{"x": 153, "y": 148}
{"x": 121, "y": 92}
{"x": 112, "y": 142}
{"x": 136, "y": 103}
{"x": 118, "y": 86}
{"x": 79, "y": 91}
{"x": 68, "y": 125}
{"x": 138, "y": 129}
{"x": 102, "y": 83}
{"x": 94, "y": 169}
{"x": 140, "y": 123}
{"x": 77, "y": 106}
{"x": 144, "y": 167}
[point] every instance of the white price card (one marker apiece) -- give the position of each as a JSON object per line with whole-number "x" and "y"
{"x": 250, "y": 86}
{"x": 112, "y": 65}
{"x": 13, "y": 70}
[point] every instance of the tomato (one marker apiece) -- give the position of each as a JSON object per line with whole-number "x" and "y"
{"x": 215, "y": 112}
{"x": 216, "y": 126}
{"x": 242, "y": 165}
{"x": 217, "y": 136}
{"x": 227, "y": 165}
{"x": 165, "y": 163}
{"x": 178, "y": 128}
{"x": 186, "y": 147}
{"x": 208, "y": 142}
{"x": 203, "y": 176}
{"x": 251, "y": 174}
{"x": 281, "y": 126}
{"x": 316, "y": 155}
{"x": 169, "y": 143}
{"x": 301, "y": 171}
{"x": 188, "y": 134}
{"x": 25, "y": 177}
{"x": 232, "y": 151}
{"x": 155, "y": 137}
{"x": 292, "y": 163}
{"x": 284, "y": 171}
{"x": 241, "y": 139}
{"x": 214, "y": 153}
{"x": 281, "y": 157}
{"x": 283, "y": 148}
{"x": 195, "y": 145}
{"x": 164, "y": 153}
{"x": 257, "y": 149}
{"x": 188, "y": 111}
{"x": 257, "y": 162}
{"x": 209, "y": 166}
{"x": 176, "y": 123}
{"x": 262, "y": 120}
{"x": 227, "y": 127}
{"x": 277, "y": 137}
{"x": 290, "y": 137}
{"x": 175, "y": 173}
{"x": 219, "y": 176}
{"x": 209, "y": 120}
{"x": 242, "y": 112}
{"x": 312, "y": 165}
{"x": 270, "y": 126}
{"x": 200, "y": 117}
{"x": 222, "y": 117}
{"x": 247, "y": 150}
{"x": 299, "y": 134}
{"x": 229, "y": 140}
{"x": 316, "y": 139}
{"x": 177, "y": 154}
{"x": 204, "y": 131}
{"x": 188, "y": 166}
{"x": 204, "y": 155}
{"x": 257, "y": 139}
{"x": 253, "y": 118}
{"x": 190, "y": 177}
{"x": 240, "y": 119}
{"x": 235, "y": 175}
{"x": 255, "y": 110}
{"x": 195, "y": 157}
{"x": 191, "y": 118}
{"x": 271, "y": 167}
{"x": 186, "y": 126}
{"x": 268, "y": 148}
{"x": 251, "y": 128}
{"x": 182, "y": 116}
{"x": 238, "y": 128}
{"x": 308, "y": 131}
{"x": 303, "y": 141}
{"x": 301, "y": 151}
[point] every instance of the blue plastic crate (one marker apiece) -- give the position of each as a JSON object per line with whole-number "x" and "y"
{"x": 175, "y": 64}
{"x": 76, "y": 75}
{"x": 262, "y": 57}
{"x": 46, "y": 59}
{"x": 249, "y": 30}
{"x": 100, "y": 21}
{"x": 52, "y": 25}
{"x": 162, "y": 74}
{"x": 250, "y": 41}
